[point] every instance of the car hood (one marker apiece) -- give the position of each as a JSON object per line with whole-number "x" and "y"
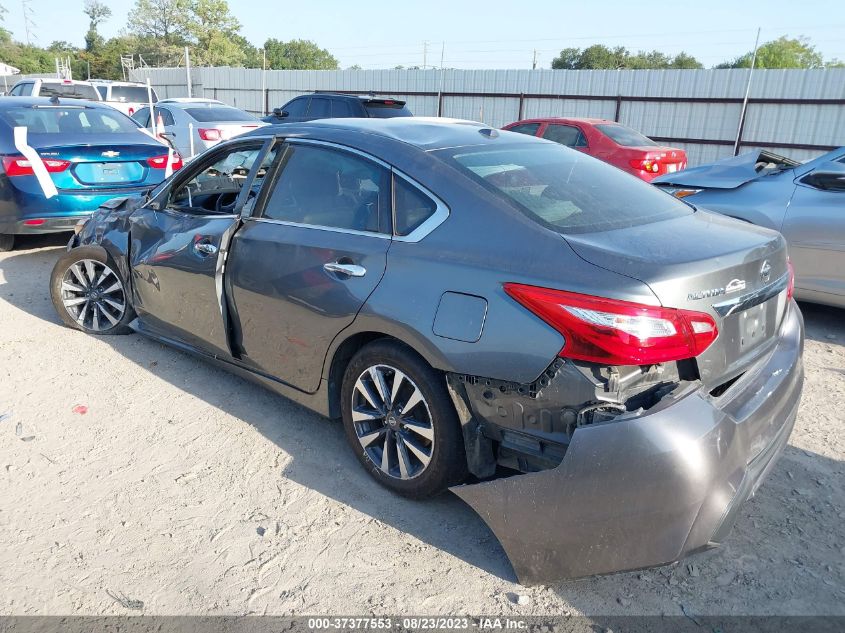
{"x": 729, "y": 173}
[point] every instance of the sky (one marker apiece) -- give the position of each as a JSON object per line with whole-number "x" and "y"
{"x": 492, "y": 34}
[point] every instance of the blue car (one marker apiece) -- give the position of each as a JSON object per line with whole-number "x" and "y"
{"x": 90, "y": 153}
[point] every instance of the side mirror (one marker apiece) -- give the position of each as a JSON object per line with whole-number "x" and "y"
{"x": 828, "y": 176}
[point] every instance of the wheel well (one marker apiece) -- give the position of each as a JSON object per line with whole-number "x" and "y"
{"x": 343, "y": 354}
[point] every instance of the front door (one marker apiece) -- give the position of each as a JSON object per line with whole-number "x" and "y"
{"x": 179, "y": 244}
{"x": 300, "y": 270}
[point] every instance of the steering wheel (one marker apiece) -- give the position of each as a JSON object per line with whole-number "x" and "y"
{"x": 226, "y": 201}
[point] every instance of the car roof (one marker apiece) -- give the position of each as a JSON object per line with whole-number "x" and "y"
{"x": 568, "y": 119}
{"x": 426, "y": 133}
{"x": 7, "y": 102}
{"x": 191, "y": 101}
{"x": 365, "y": 97}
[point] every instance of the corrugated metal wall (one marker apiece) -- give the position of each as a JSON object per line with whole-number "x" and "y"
{"x": 678, "y": 104}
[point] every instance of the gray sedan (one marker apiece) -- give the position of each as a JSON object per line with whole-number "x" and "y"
{"x": 473, "y": 304}
{"x": 805, "y": 202}
{"x": 193, "y": 125}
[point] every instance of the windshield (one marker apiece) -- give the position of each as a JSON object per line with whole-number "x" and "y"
{"x": 565, "y": 190}
{"x": 218, "y": 113}
{"x": 131, "y": 94}
{"x": 69, "y": 91}
{"x": 624, "y": 135}
{"x": 69, "y": 120}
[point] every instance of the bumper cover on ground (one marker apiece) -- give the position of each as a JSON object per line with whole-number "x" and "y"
{"x": 648, "y": 491}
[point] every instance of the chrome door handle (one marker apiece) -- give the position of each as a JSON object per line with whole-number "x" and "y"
{"x": 205, "y": 248}
{"x": 353, "y": 270}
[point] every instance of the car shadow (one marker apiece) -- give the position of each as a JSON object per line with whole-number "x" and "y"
{"x": 322, "y": 461}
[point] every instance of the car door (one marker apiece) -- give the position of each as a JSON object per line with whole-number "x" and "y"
{"x": 300, "y": 269}
{"x": 568, "y": 135}
{"x": 179, "y": 243}
{"x": 814, "y": 226}
{"x": 319, "y": 108}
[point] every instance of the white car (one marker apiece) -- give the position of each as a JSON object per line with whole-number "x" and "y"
{"x": 126, "y": 96}
{"x": 64, "y": 88}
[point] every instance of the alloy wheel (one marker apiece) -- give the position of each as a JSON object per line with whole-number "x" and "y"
{"x": 392, "y": 421}
{"x": 93, "y": 295}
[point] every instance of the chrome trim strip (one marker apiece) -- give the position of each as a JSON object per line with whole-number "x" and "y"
{"x": 333, "y": 229}
{"x": 751, "y": 299}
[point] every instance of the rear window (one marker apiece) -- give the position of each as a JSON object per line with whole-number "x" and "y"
{"x": 69, "y": 120}
{"x": 624, "y": 135}
{"x": 218, "y": 113}
{"x": 386, "y": 109}
{"x": 69, "y": 91}
{"x": 565, "y": 190}
{"x": 131, "y": 94}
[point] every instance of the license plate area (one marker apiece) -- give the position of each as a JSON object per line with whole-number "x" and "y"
{"x": 752, "y": 326}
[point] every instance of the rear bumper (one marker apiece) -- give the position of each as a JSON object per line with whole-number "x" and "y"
{"x": 51, "y": 224}
{"x": 648, "y": 491}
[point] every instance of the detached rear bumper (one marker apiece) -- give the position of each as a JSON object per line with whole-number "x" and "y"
{"x": 648, "y": 491}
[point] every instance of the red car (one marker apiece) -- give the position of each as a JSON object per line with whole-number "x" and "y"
{"x": 609, "y": 141}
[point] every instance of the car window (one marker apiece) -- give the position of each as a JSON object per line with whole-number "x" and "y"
{"x": 525, "y": 128}
{"x": 131, "y": 94}
{"x": 69, "y": 120}
{"x": 215, "y": 184}
{"x": 386, "y": 109}
{"x": 16, "y": 91}
{"x": 297, "y": 107}
{"x": 69, "y": 91}
{"x": 320, "y": 108}
{"x": 206, "y": 114}
{"x": 568, "y": 135}
{"x": 411, "y": 206}
{"x": 166, "y": 116}
{"x": 343, "y": 108}
{"x": 624, "y": 135}
{"x": 566, "y": 191}
{"x": 142, "y": 116}
{"x": 325, "y": 187}
{"x": 103, "y": 90}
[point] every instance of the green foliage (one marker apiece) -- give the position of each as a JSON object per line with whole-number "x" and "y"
{"x": 298, "y": 55}
{"x": 783, "y": 53}
{"x": 599, "y": 56}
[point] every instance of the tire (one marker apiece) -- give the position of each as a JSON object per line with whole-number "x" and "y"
{"x": 98, "y": 308}
{"x": 7, "y": 242}
{"x": 425, "y": 447}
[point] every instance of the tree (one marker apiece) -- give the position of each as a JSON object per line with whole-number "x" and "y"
{"x": 164, "y": 20}
{"x": 298, "y": 55}
{"x": 567, "y": 60}
{"x": 682, "y": 60}
{"x": 212, "y": 29}
{"x": 781, "y": 53}
{"x": 96, "y": 12}
{"x": 599, "y": 56}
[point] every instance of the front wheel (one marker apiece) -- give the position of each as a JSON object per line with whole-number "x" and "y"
{"x": 89, "y": 293}
{"x": 400, "y": 421}
{"x": 7, "y": 242}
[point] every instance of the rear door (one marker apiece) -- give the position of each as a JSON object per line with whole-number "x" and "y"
{"x": 568, "y": 135}
{"x": 302, "y": 267}
{"x": 179, "y": 243}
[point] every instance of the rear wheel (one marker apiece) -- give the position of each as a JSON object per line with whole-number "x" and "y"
{"x": 400, "y": 421}
{"x": 89, "y": 294}
{"x": 7, "y": 242}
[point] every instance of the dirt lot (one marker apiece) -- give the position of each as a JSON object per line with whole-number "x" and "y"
{"x": 185, "y": 490}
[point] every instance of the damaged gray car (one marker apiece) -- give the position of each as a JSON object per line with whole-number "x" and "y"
{"x": 604, "y": 373}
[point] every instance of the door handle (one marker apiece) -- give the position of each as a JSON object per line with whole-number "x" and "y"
{"x": 352, "y": 270}
{"x": 205, "y": 248}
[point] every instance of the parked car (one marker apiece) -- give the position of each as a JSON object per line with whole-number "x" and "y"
{"x": 90, "y": 153}
{"x": 128, "y": 97}
{"x": 467, "y": 300}
{"x": 64, "y": 88}
{"x": 329, "y": 105}
{"x": 805, "y": 202}
{"x": 192, "y": 125}
{"x": 609, "y": 141}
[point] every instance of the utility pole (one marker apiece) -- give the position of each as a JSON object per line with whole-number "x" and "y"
{"x": 188, "y": 70}
{"x": 534, "y": 63}
{"x": 28, "y": 23}
{"x": 747, "y": 93}
{"x": 264, "y": 81}
{"x": 425, "y": 53}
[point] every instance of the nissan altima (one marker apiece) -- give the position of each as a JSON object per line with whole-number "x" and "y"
{"x": 603, "y": 372}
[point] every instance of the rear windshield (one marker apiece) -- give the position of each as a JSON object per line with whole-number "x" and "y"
{"x": 69, "y": 91}
{"x": 69, "y": 120}
{"x": 565, "y": 190}
{"x": 218, "y": 113}
{"x": 624, "y": 135}
{"x": 386, "y": 109}
{"x": 131, "y": 94}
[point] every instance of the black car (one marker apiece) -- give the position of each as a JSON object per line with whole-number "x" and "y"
{"x": 332, "y": 105}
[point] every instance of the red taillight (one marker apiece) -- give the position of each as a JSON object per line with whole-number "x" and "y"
{"x": 210, "y": 134}
{"x": 790, "y": 286}
{"x": 36, "y": 222}
{"x": 131, "y": 111}
{"x": 614, "y": 332}
{"x": 20, "y": 166}
{"x": 651, "y": 165}
{"x": 160, "y": 162}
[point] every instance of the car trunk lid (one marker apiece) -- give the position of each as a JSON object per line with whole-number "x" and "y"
{"x": 708, "y": 263}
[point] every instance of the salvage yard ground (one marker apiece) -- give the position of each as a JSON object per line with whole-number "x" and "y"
{"x": 136, "y": 479}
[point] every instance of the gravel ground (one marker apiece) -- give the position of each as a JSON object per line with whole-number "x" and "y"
{"x": 136, "y": 479}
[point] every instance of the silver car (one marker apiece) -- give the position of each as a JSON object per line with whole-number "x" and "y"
{"x": 805, "y": 202}
{"x": 192, "y": 125}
